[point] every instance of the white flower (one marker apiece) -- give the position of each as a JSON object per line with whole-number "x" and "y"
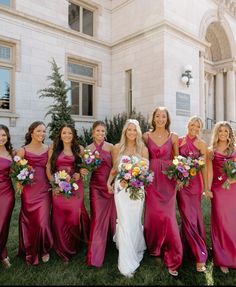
{"x": 220, "y": 178}
{"x": 16, "y": 158}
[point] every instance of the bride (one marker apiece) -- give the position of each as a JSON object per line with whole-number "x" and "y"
{"x": 129, "y": 236}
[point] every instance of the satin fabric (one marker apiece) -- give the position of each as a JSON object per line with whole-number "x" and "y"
{"x": 35, "y": 237}
{"x": 70, "y": 220}
{"x": 193, "y": 233}
{"x": 7, "y": 202}
{"x": 223, "y": 214}
{"x": 129, "y": 235}
{"x": 160, "y": 224}
{"x": 102, "y": 210}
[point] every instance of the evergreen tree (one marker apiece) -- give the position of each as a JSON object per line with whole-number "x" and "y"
{"x": 60, "y": 110}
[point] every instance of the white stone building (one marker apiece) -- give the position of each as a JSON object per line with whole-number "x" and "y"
{"x": 118, "y": 55}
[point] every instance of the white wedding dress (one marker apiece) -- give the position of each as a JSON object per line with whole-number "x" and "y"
{"x": 129, "y": 236}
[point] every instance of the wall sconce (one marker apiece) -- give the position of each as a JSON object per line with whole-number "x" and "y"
{"x": 186, "y": 77}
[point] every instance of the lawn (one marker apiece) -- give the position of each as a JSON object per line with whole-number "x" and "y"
{"x": 77, "y": 273}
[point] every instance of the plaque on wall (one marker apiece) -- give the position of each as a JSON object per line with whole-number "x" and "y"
{"x": 182, "y": 104}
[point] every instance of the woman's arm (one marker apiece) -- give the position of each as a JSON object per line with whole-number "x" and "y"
{"x": 113, "y": 172}
{"x": 48, "y": 166}
{"x": 175, "y": 143}
{"x": 20, "y": 152}
{"x": 209, "y": 158}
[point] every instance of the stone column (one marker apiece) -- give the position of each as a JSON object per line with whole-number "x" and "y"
{"x": 211, "y": 97}
{"x": 230, "y": 96}
{"x": 219, "y": 97}
{"x": 202, "y": 95}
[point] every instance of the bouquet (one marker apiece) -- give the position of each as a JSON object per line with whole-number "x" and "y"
{"x": 21, "y": 173}
{"x": 90, "y": 161}
{"x": 229, "y": 168}
{"x": 134, "y": 174}
{"x": 65, "y": 183}
{"x": 183, "y": 169}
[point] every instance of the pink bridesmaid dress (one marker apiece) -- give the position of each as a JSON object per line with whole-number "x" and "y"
{"x": 160, "y": 224}
{"x": 189, "y": 203}
{"x": 70, "y": 220}
{"x": 7, "y": 201}
{"x": 223, "y": 214}
{"x": 102, "y": 210}
{"x": 35, "y": 237}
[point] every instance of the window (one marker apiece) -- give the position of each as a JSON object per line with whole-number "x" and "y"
{"x": 129, "y": 100}
{"x": 82, "y": 77}
{"x": 81, "y": 18}
{"x": 6, "y": 72}
{"x": 6, "y": 3}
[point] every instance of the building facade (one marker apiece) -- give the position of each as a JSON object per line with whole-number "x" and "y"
{"x": 119, "y": 55}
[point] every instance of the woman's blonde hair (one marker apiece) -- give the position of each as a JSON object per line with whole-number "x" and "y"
{"x": 139, "y": 141}
{"x": 215, "y": 137}
{"x": 195, "y": 119}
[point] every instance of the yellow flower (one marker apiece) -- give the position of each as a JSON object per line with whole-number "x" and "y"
{"x": 23, "y": 162}
{"x": 142, "y": 163}
{"x": 175, "y": 161}
{"x": 128, "y": 166}
{"x": 62, "y": 174}
{"x": 201, "y": 162}
{"x": 193, "y": 171}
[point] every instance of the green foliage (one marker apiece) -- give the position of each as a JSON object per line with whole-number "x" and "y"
{"x": 116, "y": 124}
{"x": 86, "y": 138}
{"x": 114, "y": 127}
{"x": 59, "y": 110}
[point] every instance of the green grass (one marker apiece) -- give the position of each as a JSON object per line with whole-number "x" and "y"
{"x": 77, "y": 273}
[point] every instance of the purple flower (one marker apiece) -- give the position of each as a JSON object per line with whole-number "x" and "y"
{"x": 65, "y": 186}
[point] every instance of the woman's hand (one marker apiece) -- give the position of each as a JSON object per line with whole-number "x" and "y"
{"x": 208, "y": 194}
{"x": 76, "y": 176}
{"x": 84, "y": 171}
{"x": 110, "y": 188}
{"x": 56, "y": 191}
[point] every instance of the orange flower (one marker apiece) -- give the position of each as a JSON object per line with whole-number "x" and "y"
{"x": 193, "y": 172}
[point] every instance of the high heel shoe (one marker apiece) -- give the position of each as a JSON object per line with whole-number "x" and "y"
{"x": 224, "y": 269}
{"x": 173, "y": 272}
{"x": 201, "y": 267}
{"x": 6, "y": 262}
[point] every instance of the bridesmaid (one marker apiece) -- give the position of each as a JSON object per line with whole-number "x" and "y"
{"x": 102, "y": 205}
{"x": 160, "y": 224}
{"x": 189, "y": 197}
{"x": 35, "y": 237}
{"x": 7, "y": 195}
{"x": 223, "y": 201}
{"x": 70, "y": 220}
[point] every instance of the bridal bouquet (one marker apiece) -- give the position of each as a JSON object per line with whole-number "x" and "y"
{"x": 90, "y": 161}
{"x": 134, "y": 175}
{"x": 21, "y": 173}
{"x": 64, "y": 182}
{"x": 183, "y": 169}
{"x": 229, "y": 168}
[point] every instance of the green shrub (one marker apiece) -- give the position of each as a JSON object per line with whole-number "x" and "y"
{"x": 115, "y": 126}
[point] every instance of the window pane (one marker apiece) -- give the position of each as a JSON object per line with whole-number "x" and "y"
{"x": 80, "y": 70}
{"x": 5, "y": 53}
{"x": 87, "y": 100}
{"x": 5, "y": 76}
{"x": 74, "y": 98}
{"x": 74, "y": 17}
{"x": 5, "y": 2}
{"x": 87, "y": 22}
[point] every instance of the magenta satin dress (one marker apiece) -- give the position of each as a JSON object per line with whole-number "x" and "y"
{"x": 70, "y": 220}
{"x": 189, "y": 203}
{"x": 223, "y": 215}
{"x": 35, "y": 237}
{"x": 160, "y": 224}
{"x": 102, "y": 210}
{"x": 7, "y": 201}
